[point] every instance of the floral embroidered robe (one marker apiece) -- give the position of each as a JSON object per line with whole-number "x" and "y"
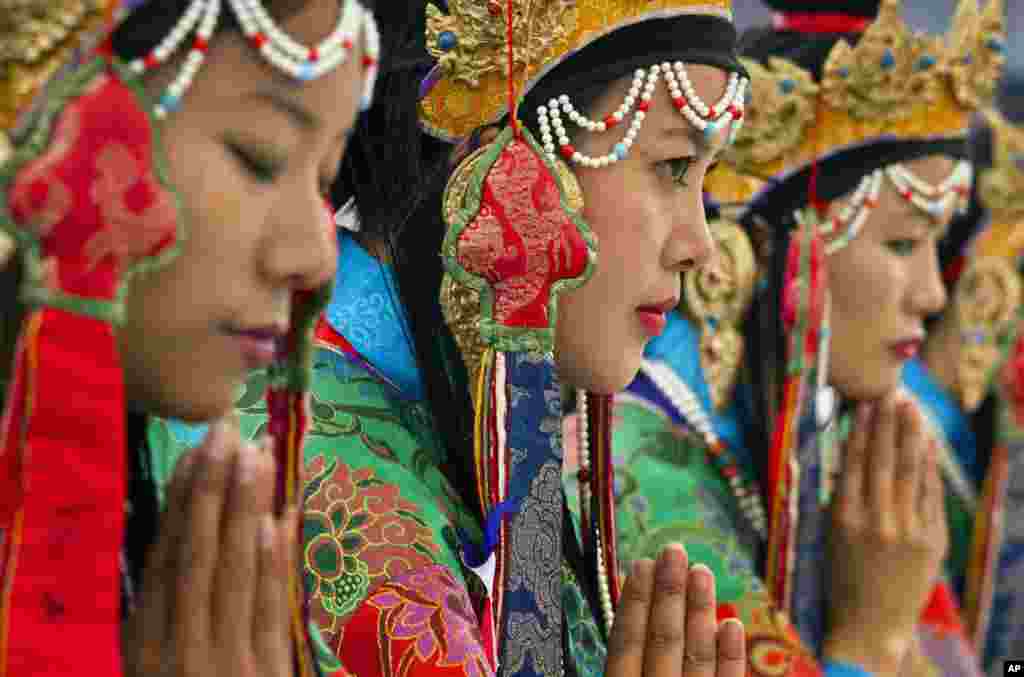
{"x": 382, "y": 524}
{"x": 668, "y": 490}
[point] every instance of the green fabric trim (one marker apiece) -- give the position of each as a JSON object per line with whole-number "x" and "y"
{"x": 500, "y": 337}
{"x": 34, "y": 292}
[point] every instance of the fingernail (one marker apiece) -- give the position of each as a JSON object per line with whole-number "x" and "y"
{"x": 267, "y": 528}
{"x": 672, "y": 556}
{"x": 703, "y": 578}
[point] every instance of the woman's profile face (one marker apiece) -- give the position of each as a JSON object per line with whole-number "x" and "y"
{"x": 251, "y": 153}
{"x": 883, "y": 286}
{"x": 647, "y": 212}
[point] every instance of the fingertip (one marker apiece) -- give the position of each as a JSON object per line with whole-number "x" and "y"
{"x": 732, "y": 628}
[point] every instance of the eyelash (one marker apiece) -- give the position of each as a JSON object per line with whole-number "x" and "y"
{"x": 265, "y": 171}
{"x": 678, "y": 169}
{"x": 902, "y": 247}
{"x": 260, "y": 169}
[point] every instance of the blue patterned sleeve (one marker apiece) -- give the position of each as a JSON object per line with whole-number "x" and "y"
{"x": 836, "y": 669}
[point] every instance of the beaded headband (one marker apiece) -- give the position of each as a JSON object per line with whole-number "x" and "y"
{"x": 894, "y": 83}
{"x": 46, "y": 40}
{"x": 467, "y": 89}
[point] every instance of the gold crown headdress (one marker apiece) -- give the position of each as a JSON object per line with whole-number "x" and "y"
{"x": 894, "y": 83}
{"x": 470, "y": 84}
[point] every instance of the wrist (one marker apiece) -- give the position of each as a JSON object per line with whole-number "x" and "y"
{"x": 882, "y": 655}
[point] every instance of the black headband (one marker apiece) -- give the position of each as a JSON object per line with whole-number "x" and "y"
{"x": 839, "y": 173}
{"x": 691, "y": 38}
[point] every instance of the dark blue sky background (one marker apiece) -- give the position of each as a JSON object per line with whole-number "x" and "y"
{"x": 934, "y": 16}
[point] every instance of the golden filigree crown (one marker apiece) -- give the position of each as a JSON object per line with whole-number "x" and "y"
{"x": 36, "y": 39}
{"x": 471, "y": 46}
{"x": 894, "y": 82}
{"x": 1001, "y": 191}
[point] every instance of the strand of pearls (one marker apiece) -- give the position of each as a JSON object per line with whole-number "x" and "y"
{"x": 932, "y": 200}
{"x": 280, "y": 50}
{"x": 603, "y": 588}
{"x": 686, "y": 402}
{"x": 297, "y": 60}
{"x": 203, "y": 12}
{"x": 855, "y": 213}
{"x": 583, "y": 450}
{"x": 708, "y": 119}
{"x": 637, "y": 102}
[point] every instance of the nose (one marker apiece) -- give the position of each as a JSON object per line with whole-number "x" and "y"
{"x": 301, "y": 250}
{"x": 690, "y": 243}
{"x": 927, "y": 291}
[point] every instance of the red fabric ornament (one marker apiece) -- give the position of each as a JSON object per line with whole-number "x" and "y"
{"x": 522, "y": 241}
{"x": 93, "y": 201}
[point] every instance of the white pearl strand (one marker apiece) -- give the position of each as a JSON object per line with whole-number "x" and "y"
{"x": 299, "y": 61}
{"x": 603, "y": 588}
{"x": 932, "y": 200}
{"x": 855, "y": 213}
{"x": 708, "y": 119}
{"x": 274, "y": 45}
{"x": 209, "y": 10}
{"x": 583, "y": 449}
{"x": 686, "y": 403}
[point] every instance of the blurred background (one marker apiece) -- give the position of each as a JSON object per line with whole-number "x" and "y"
{"x": 934, "y": 16}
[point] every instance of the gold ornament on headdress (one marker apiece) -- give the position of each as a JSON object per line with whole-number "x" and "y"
{"x": 717, "y": 295}
{"x": 470, "y": 44}
{"x": 988, "y": 294}
{"x": 1001, "y": 191}
{"x": 36, "y": 37}
{"x": 894, "y": 82}
{"x": 985, "y": 305}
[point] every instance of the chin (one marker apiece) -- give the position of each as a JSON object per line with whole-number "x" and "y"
{"x": 861, "y": 389}
{"x": 606, "y": 377}
{"x": 193, "y": 405}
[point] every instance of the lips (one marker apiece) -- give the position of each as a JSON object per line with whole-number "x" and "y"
{"x": 259, "y": 346}
{"x": 653, "y": 318}
{"x": 906, "y": 349}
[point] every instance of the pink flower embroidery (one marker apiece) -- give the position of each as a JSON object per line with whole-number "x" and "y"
{"x": 429, "y": 608}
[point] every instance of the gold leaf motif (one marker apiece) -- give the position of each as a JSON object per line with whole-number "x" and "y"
{"x": 1001, "y": 187}
{"x": 472, "y": 90}
{"x": 786, "y": 97}
{"x": 978, "y": 41}
{"x": 478, "y": 30}
{"x": 885, "y": 70}
{"x": 36, "y": 37}
{"x": 987, "y": 297}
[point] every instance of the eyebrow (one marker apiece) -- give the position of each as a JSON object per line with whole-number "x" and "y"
{"x": 301, "y": 116}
